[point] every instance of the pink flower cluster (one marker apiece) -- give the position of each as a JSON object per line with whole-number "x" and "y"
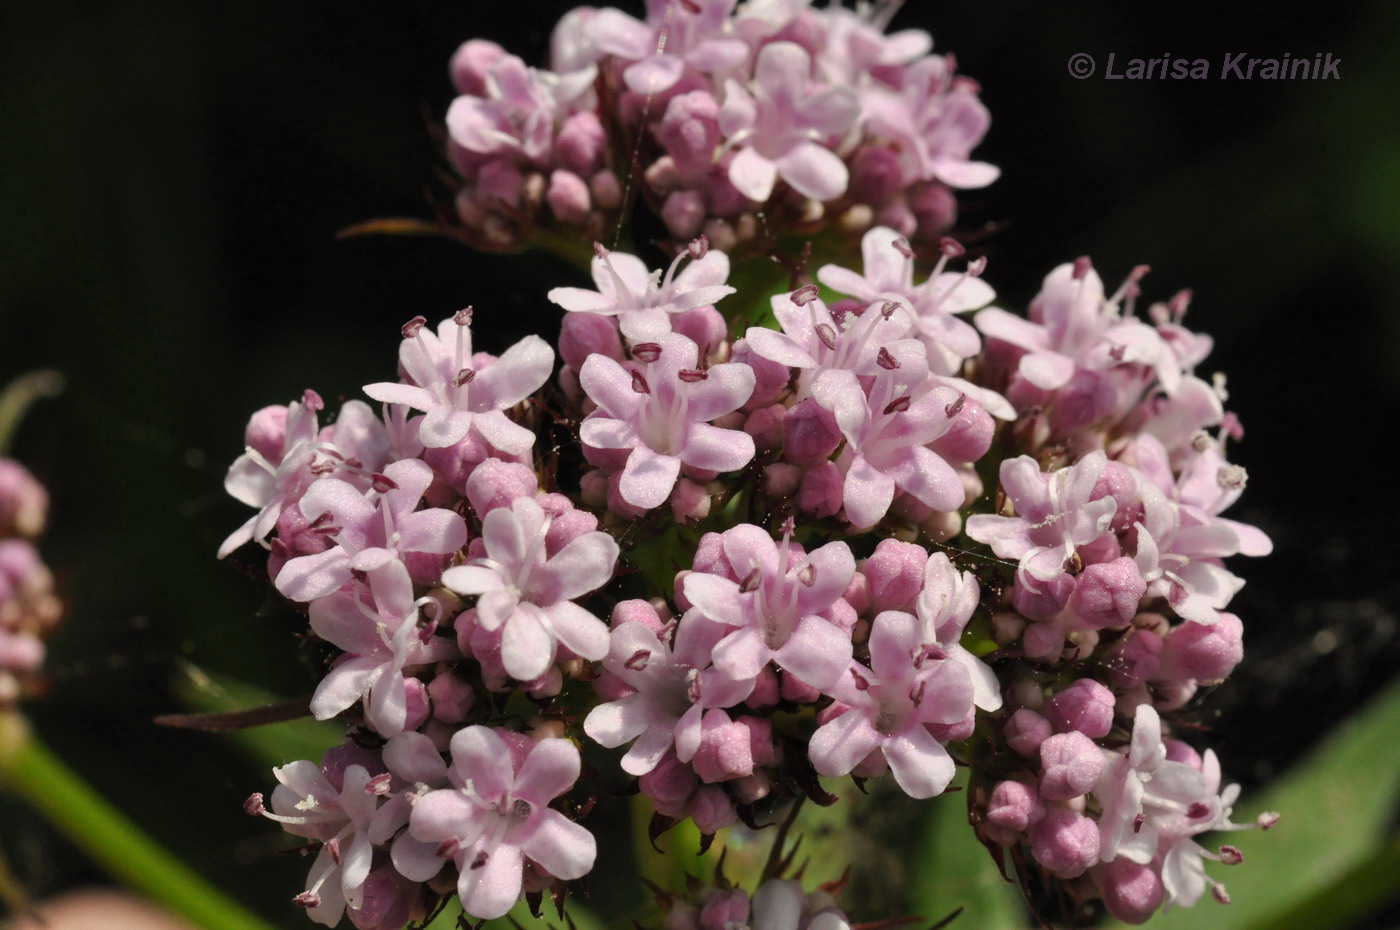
{"x": 811, "y": 117}
{"x": 869, "y": 537}
{"x": 28, "y": 607}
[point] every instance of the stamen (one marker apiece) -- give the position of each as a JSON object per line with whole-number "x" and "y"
{"x": 647, "y": 352}
{"x": 447, "y": 849}
{"x": 861, "y": 682}
{"x": 333, "y": 847}
{"x": 639, "y": 383}
{"x": 378, "y": 786}
{"x": 901, "y": 245}
{"x": 1231, "y": 477}
{"x": 638, "y": 661}
{"x": 463, "y": 317}
{"x": 312, "y": 401}
{"x": 307, "y": 899}
{"x": 1218, "y": 892}
{"x": 700, "y": 247}
{"x": 806, "y": 294}
{"x": 1267, "y": 820}
{"x": 382, "y": 483}
{"x": 1082, "y": 266}
{"x": 885, "y": 360}
{"x": 254, "y": 805}
{"x": 951, "y": 248}
{"x": 827, "y": 335}
{"x": 977, "y": 266}
{"x": 1138, "y": 822}
{"x": 599, "y": 251}
{"x": 751, "y": 581}
{"x": 808, "y": 575}
{"x": 413, "y": 327}
{"x": 888, "y": 308}
{"x": 955, "y": 407}
{"x": 898, "y": 405}
{"x": 465, "y": 376}
{"x": 480, "y": 861}
{"x": 1230, "y": 855}
{"x": 692, "y": 375}
{"x": 1197, "y": 810}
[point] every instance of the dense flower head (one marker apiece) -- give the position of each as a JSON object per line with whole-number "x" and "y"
{"x": 29, "y": 608}
{"x": 807, "y": 117}
{"x": 748, "y": 536}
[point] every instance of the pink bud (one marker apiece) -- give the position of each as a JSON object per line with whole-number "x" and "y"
{"x": 704, "y": 326}
{"x": 690, "y": 132}
{"x": 499, "y": 182}
{"x": 471, "y": 63}
{"x": 1131, "y": 892}
{"x": 1025, "y": 730}
{"x": 895, "y": 572}
{"x": 690, "y": 502}
{"x": 766, "y": 426}
{"x": 583, "y": 334}
{"x": 821, "y": 491}
{"x": 1070, "y": 764}
{"x": 1205, "y": 653}
{"x": 580, "y": 144}
{"x": 495, "y": 483}
{"x": 1107, "y": 594}
{"x": 452, "y": 697}
{"x": 1133, "y": 660}
{"x": 683, "y": 213}
{"x": 711, "y": 809}
{"x": 568, "y": 197}
{"x": 876, "y": 175}
{"x": 1086, "y": 706}
{"x": 1014, "y": 806}
{"x": 725, "y": 909}
{"x": 266, "y": 433}
{"x": 810, "y": 434}
{"x": 1065, "y": 842}
{"x": 1046, "y": 600}
{"x": 970, "y": 435}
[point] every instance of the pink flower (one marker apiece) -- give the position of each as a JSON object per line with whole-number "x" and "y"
{"x": 945, "y": 606}
{"x": 775, "y": 611}
{"x": 307, "y": 804}
{"x": 519, "y": 110}
{"x": 528, "y": 595}
{"x": 780, "y": 129}
{"x": 887, "y": 428}
{"x": 1056, "y": 514}
{"x": 497, "y": 816}
{"x": 287, "y": 451}
{"x": 661, "y": 411}
{"x": 460, "y": 392}
{"x": 644, "y": 300}
{"x": 365, "y": 525}
{"x": 910, "y": 683}
{"x": 696, "y": 37}
{"x": 380, "y": 642}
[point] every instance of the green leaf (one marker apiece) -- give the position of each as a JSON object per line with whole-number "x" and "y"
{"x": 954, "y": 870}
{"x": 272, "y": 744}
{"x": 1334, "y": 855}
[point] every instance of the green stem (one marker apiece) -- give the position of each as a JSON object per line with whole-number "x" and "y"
{"x": 30, "y": 770}
{"x": 16, "y": 398}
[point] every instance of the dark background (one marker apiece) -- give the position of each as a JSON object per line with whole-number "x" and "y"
{"x": 172, "y": 177}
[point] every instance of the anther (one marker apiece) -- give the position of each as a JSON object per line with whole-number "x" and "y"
{"x": 307, "y": 899}
{"x": 1218, "y": 892}
{"x": 447, "y": 849}
{"x": 901, "y": 245}
{"x": 639, "y": 383}
{"x": 378, "y": 786}
{"x": 333, "y": 847}
{"x": 700, "y": 247}
{"x": 1231, "y": 477}
{"x": 647, "y": 352}
{"x": 898, "y": 405}
{"x": 1267, "y": 820}
{"x": 382, "y": 483}
{"x": 861, "y": 682}
{"x": 413, "y": 327}
{"x": 692, "y": 375}
{"x": 480, "y": 861}
{"x": 955, "y": 407}
{"x": 885, "y": 360}
{"x": 808, "y": 575}
{"x": 690, "y": 6}
{"x": 254, "y": 805}
{"x": 1197, "y": 810}
{"x": 465, "y": 376}
{"x": 1082, "y": 266}
{"x": 806, "y": 294}
{"x": 951, "y": 248}
{"x": 312, "y": 401}
{"x": 789, "y": 526}
{"x": 1201, "y": 441}
{"x": 916, "y": 693}
{"x": 976, "y": 267}
{"x": 463, "y": 317}
{"x": 751, "y": 581}
{"x": 1230, "y": 855}
{"x": 599, "y": 251}
{"x": 1138, "y": 822}
{"x": 827, "y": 335}
{"x": 638, "y": 661}
{"x": 888, "y": 308}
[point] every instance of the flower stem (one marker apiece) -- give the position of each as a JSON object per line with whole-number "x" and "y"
{"x": 30, "y": 770}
